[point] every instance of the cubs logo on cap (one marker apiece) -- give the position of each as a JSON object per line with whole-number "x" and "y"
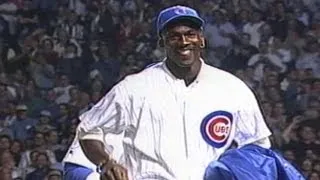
{"x": 175, "y": 12}
{"x": 216, "y": 128}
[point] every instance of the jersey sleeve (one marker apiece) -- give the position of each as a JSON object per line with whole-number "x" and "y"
{"x": 107, "y": 116}
{"x": 250, "y": 123}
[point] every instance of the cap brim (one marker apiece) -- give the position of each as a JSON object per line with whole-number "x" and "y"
{"x": 194, "y": 20}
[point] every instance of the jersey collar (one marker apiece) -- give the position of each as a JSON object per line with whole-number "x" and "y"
{"x": 200, "y": 77}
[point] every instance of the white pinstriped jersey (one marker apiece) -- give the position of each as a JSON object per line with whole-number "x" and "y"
{"x": 167, "y": 130}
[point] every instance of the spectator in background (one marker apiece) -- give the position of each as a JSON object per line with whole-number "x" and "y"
{"x": 307, "y": 167}
{"x": 278, "y": 22}
{"x": 240, "y": 54}
{"x": 263, "y": 60}
{"x": 7, "y": 11}
{"x": 7, "y": 92}
{"x": 54, "y": 144}
{"x": 39, "y": 146}
{"x": 23, "y": 125}
{"x": 42, "y": 168}
{"x": 8, "y": 166}
{"x": 104, "y": 24}
{"x": 307, "y": 141}
{"x": 62, "y": 39}
{"x": 220, "y": 35}
{"x": 27, "y": 19}
{"x": 46, "y": 10}
{"x": 33, "y": 163}
{"x": 72, "y": 64}
{"x": 241, "y": 19}
{"x": 310, "y": 59}
{"x": 18, "y": 79}
{"x": 5, "y": 142}
{"x": 33, "y": 99}
{"x": 5, "y": 130}
{"x": 276, "y": 47}
{"x": 44, "y": 123}
{"x": 253, "y": 28}
{"x": 49, "y": 98}
{"x": 107, "y": 66}
{"x": 16, "y": 150}
{"x": 42, "y": 72}
{"x": 277, "y": 121}
{"x": 48, "y": 52}
{"x": 62, "y": 89}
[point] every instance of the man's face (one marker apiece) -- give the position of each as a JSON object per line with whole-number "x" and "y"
{"x": 22, "y": 114}
{"x": 44, "y": 119}
{"x": 307, "y": 133}
{"x": 183, "y": 44}
{"x": 307, "y": 165}
{"x": 279, "y": 108}
{"x": 272, "y": 80}
{"x": 5, "y": 143}
{"x": 256, "y": 17}
{"x": 39, "y": 139}
{"x": 53, "y": 137}
{"x": 64, "y": 81}
{"x": 42, "y": 160}
{"x": 74, "y": 93}
{"x": 63, "y": 109}
{"x": 289, "y": 155}
{"x": 104, "y": 51}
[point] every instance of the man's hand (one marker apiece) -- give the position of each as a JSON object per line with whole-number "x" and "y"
{"x": 114, "y": 171}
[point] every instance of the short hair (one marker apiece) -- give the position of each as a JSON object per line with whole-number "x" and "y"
{"x": 5, "y": 136}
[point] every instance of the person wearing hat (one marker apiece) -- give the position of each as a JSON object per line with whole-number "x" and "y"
{"x": 44, "y": 124}
{"x": 23, "y": 126}
{"x": 170, "y": 120}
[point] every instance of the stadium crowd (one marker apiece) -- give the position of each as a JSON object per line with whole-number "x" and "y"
{"x": 58, "y": 57}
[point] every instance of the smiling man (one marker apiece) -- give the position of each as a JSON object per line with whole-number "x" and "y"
{"x": 170, "y": 120}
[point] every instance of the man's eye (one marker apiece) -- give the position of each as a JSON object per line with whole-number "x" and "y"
{"x": 191, "y": 34}
{"x": 174, "y": 37}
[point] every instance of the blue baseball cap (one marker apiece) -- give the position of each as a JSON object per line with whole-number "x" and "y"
{"x": 177, "y": 12}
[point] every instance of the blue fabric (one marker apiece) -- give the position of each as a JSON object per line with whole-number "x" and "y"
{"x": 172, "y": 13}
{"x": 251, "y": 162}
{"x": 23, "y": 128}
{"x": 76, "y": 172}
{"x": 217, "y": 170}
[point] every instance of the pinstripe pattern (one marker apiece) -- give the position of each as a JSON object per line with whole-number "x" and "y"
{"x": 152, "y": 121}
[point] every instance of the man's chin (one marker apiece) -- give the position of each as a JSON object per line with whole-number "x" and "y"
{"x": 184, "y": 63}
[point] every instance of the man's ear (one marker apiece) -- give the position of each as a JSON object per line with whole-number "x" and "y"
{"x": 203, "y": 42}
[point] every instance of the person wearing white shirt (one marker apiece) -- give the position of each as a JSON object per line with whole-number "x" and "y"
{"x": 265, "y": 59}
{"x": 170, "y": 120}
{"x": 253, "y": 28}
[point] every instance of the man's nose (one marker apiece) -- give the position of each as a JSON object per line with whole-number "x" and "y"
{"x": 184, "y": 40}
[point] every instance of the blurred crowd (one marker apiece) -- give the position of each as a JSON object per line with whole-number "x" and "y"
{"x": 59, "y": 57}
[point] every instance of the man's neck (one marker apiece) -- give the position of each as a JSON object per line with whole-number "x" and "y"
{"x": 188, "y": 74}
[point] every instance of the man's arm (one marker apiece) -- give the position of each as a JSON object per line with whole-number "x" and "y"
{"x": 107, "y": 116}
{"x": 94, "y": 151}
{"x": 251, "y": 127}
